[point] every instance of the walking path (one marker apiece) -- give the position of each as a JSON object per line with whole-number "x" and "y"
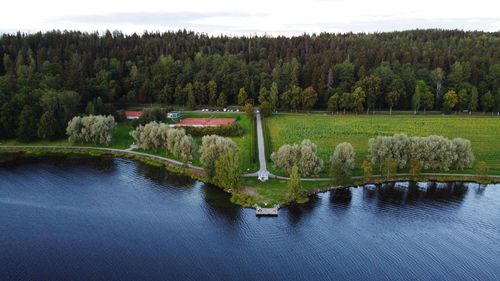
{"x": 263, "y": 173}
{"x": 262, "y": 159}
{"x": 112, "y": 150}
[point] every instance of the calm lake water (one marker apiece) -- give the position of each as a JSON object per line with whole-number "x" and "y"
{"x": 114, "y": 219}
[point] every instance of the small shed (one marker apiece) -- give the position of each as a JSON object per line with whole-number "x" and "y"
{"x": 174, "y": 115}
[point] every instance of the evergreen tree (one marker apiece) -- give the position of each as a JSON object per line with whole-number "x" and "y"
{"x": 27, "y": 127}
{"x": 371, "y": 87}
{"x": 473, "y": 104}
{"x": 310, "y": 98}
{"x": 265, "y": 109}
{"x": 190, "y": 97}
{"x": 420, "y": 90}
{"x": 274, "y": 97}
{"x": 487, "y": 102}
{"x": 263, "y": 95}
{"x": 357, "y": 100}
{"x": 212, "y": 93}
{"x": 221, "y": 100}
{"x": 463, "y": 99}
{"x": 333, "y": 103}
{"x": 48, "y": 126}
{"x": 427, "y": 99}
{"x": 497, "y": 102}
{"x": 242, "y": 97}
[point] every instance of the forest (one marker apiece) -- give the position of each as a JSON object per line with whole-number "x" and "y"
{"x": 48, "y": 78}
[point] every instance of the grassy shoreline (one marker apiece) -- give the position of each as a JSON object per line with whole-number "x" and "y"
{"x": 325, "y": 130}
{"x": 252, "y": 191}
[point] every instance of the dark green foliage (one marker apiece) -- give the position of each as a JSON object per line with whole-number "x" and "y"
{"x": 228, "y": 171}
{"x": 48, "y": 126}
{"x": 232, "y": 130}
{"x": 294, "y": 185}
{"x": 487, "y": 102}
{"x": 27, "y": 128}
{"x": 265, "y": 109}
{"x": 78, "y": 72}
{"x": 153, "y": 114}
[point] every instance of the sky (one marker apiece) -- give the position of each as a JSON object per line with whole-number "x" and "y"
{"x": 250, "y": 17}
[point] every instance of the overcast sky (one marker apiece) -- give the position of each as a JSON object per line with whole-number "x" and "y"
{"x": 234, "y": 17}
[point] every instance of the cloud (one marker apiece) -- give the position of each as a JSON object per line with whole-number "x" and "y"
{"x": 151, "y": 18}
{"x": 273, "y": 17}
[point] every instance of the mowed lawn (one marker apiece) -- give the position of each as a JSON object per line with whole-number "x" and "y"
{"x": 244, "y": 142}
{"x": 121, "y": 139}
{"x": 326, "y": 131}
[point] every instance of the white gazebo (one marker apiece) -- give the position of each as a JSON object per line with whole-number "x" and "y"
{"x": 263, "y": 176}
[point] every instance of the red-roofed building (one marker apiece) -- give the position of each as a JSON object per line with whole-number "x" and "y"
{"x": 205, "y": 122}
{"x": 133, "y": 114}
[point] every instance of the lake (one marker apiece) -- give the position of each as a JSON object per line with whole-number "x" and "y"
{"x": 84, "y": 218}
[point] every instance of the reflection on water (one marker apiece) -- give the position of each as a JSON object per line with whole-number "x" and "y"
{"x": 412, "y": 192}
{"x": 218, "y": 206}
{"x": 85, "y": 218}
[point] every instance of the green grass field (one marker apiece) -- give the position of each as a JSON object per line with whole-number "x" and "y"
{"x": 121, "y": 139}
{"x": 329, "y": 130}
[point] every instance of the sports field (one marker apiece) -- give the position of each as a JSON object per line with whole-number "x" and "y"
{"x": 329, "y": 130}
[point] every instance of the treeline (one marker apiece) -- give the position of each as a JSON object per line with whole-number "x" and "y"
{"x": 190, "y": 69}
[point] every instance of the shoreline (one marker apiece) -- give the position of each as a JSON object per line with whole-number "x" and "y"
{"x": 195, "y": 172}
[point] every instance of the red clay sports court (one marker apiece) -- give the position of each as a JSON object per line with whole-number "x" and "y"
{"x": 206, "y": 122}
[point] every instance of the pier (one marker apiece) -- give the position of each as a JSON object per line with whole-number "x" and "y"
{"x": 266, "y": 211}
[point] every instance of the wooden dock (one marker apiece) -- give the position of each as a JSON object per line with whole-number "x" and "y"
{"x": 266, "y": 211}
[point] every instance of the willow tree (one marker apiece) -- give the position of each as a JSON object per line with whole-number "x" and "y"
{"x": 228, "y": 170}
{"x": 342, "y": 162}
{"x": 294, "y": 185}
{"x": 212, "y": 148}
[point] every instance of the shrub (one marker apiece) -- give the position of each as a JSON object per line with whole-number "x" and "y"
{"x": 232, "y": 130}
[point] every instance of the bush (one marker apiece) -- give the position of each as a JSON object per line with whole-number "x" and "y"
{"x": 232, "y": 130}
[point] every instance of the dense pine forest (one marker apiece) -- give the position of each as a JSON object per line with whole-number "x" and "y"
{"x": 47, "y": 78}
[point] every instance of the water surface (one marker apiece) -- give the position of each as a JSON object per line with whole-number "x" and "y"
{"x": 77, "y": 218}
